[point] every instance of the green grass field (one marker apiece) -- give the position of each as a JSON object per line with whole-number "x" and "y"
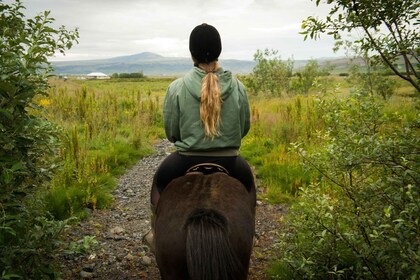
{"x": 108, "y": 125}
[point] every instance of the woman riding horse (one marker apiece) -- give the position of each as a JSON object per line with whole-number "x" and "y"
{"x": 206, "y": 115}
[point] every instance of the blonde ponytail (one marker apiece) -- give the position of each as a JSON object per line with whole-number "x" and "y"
{"x": 211, "y": 101}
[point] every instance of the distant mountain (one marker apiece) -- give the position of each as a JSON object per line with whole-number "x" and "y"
{"x": 150, "y": 64}
{"x": 137, "y": 58}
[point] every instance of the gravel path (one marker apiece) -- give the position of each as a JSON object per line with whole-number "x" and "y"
{"x": 120, "y": 252}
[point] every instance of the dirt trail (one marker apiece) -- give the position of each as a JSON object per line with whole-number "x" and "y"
{"x": 120, "y": 252}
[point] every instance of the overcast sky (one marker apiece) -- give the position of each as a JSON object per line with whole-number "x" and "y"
{"x": 110, "y": 28}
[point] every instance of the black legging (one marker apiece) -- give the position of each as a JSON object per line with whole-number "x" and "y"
{"x": 175, "y": 165}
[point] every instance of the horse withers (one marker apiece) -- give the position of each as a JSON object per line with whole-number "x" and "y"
{"x": 204, "y": 228}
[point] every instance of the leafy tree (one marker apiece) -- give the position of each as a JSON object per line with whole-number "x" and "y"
{"x": 271, "y": 74}
{"x": 388, "y": 27}
{"x": 27, "y": 142}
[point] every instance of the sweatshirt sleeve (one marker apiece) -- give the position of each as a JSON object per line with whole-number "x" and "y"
{"x": 171, "y": 115}
{"x": 244, "y": 110}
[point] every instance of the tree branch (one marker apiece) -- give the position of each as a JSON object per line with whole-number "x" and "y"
{"x": 409, "y": 66}
{"x": 379, "y": 50}
{"x": 386, "y": 60}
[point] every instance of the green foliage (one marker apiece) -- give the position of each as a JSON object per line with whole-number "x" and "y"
{"x": 373, "y": 80}
{"x": 360, "y": 221}
{"x": 308, "y": 77}
{"x": 27, "y": 143}
{"x": 388, "y": 28}
{"x": 368, "y": 78}
{"x": 84, "y": 246}
{"x": 372, "y": 83}
{"x": 24, "y": 48}
{"x": 26, "y": 249}
{"x": 271, "y": 75}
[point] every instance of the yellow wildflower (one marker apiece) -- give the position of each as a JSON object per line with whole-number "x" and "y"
{"x": 44, "y": 102}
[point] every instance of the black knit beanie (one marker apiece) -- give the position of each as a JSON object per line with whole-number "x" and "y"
{"x": 205, "y": 43}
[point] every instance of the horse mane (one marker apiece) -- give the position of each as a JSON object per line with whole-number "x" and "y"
{"x": 204, "y": 228}
{"x": 209, "y": 252}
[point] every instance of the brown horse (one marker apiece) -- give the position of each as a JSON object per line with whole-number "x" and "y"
{"x": 204, "y": 228}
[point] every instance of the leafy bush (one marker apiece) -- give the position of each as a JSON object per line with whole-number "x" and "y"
{"x": 306, "y": 77}
{"x": 135, "y": 75}
{"x": 27, "y": 142}
{"x": 361, "y": 220}
{"x": 271, "y": 75}
{"x": 372, "y": 82}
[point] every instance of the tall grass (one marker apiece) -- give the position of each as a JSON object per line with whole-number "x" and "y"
{"x": 279, "y": 122}
{"x": 107, "y": 126}
{"x": 276, "y": 123}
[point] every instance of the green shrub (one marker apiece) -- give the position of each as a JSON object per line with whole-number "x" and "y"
{"x": 75, "y": 197}
{"x": 373, "y": 82}
{"x": 305, "y": 78}
{"x": 361, "y": 220}
{"x": 27, "y": 143}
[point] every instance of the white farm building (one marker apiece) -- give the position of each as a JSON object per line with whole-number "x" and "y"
{"x": 97, "y": 75}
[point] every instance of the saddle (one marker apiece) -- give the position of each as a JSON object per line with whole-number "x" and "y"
{"x": 206, "y": 169}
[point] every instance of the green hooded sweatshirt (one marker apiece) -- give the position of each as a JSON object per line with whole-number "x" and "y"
{"x": 181, "y": 112}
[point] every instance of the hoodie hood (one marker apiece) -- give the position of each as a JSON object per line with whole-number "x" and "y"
{"x": 181, "y": 114}
{"x": 193, "y": 80}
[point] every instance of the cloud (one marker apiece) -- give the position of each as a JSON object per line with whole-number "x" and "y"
{"x": 113, "y": 28}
